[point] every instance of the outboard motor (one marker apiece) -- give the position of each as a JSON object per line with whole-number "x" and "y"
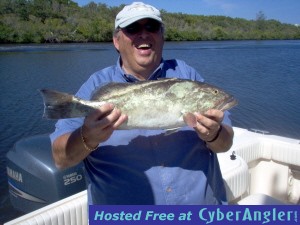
{"x": 33, "y": 179}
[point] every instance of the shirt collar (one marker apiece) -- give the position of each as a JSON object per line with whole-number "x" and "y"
{"x": 158, "y": 73}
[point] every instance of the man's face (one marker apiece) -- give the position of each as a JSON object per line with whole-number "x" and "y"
{"x": 140, "y": 45}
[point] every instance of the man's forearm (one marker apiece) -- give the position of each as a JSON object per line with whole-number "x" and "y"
{"x": 224, "y": 140}
{"x": 68, "y": 150}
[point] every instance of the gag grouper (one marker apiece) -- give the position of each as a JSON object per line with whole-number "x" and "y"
{"x": 155, "y": 104}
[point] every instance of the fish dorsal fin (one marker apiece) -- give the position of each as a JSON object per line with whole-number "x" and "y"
{"x": 109, "y": 90}
{"x": 167, "y": 78}
{"x": 114, "y": 89}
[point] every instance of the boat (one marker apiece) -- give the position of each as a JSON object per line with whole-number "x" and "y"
{"x": 259, "y": 169}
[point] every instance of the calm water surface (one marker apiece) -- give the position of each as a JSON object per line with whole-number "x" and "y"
{"x": 264, "y": 76}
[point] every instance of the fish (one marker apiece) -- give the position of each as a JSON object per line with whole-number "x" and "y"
{"x": 168, "y": 103}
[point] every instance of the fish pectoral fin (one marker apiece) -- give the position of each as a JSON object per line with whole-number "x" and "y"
{"x": 190, "y": 119}
{"x": 171, "y": 131}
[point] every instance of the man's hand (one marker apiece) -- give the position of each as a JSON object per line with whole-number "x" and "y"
{"x": 69, "y": 149}
{"x": 208, "y": 128}
{"x": 99, "y": 125}
{"x": 208, "y": 124}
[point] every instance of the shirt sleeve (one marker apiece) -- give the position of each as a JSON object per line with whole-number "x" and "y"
{"x": 226, "y": 119}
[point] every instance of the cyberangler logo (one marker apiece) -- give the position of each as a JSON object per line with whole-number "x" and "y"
{"x": 248, "y": 215}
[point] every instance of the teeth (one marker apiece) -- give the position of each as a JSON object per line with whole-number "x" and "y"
{"x": 144, "y": 46}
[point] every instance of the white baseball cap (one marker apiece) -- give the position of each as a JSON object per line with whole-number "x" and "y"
{"x": 134, "y": 12}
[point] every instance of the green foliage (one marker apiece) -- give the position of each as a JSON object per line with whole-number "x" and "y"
{"x": 42, "y": 21}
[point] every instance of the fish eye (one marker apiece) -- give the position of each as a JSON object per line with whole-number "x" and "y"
{"x": 215, "y": 91}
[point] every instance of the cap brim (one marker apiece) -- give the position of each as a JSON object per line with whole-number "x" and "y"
{"x": 137, "y": 18}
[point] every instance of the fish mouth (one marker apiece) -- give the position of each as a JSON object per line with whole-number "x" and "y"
{"x": 228, "y": 104}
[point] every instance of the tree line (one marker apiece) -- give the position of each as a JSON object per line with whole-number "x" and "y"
{"x": 61, "y": 21}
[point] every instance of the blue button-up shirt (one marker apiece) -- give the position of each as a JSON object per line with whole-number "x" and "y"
{"x": 148, "y": 166}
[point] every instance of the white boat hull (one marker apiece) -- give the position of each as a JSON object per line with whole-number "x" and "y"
{"x": 266, "y": 170}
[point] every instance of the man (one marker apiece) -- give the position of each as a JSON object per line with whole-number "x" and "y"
{"x": 143, "y": 166}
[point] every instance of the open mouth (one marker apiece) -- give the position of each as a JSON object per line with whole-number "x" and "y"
{"x": 144, "y": 46}
{"x": 144, "y": 49}
{"x": 229, "y": 103}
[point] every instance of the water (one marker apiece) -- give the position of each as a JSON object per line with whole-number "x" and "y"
{"x": 264, "y": 77}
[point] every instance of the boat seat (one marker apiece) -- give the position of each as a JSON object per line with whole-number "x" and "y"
{"x": 269, "y": 165}
{"x": 260, "y": 199}
{"x": 253, "y": 147}
{"x": 235, "y": 175}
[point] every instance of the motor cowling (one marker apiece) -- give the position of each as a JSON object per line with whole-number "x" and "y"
{"x": 33, "y": 179}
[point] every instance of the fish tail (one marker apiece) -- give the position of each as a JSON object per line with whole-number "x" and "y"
{"x": 59, "y": 105}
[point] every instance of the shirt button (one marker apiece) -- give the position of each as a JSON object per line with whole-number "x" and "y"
{"x": 169, "y": 189}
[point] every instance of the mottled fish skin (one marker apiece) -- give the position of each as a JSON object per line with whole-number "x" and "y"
{"x": 158, "y": 104}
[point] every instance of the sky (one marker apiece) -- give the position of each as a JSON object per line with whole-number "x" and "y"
{"x": 285, "y": 11}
